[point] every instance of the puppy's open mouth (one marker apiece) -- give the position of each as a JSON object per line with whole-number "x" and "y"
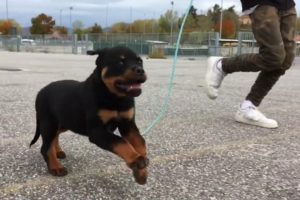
{"x": 132, "y": 87}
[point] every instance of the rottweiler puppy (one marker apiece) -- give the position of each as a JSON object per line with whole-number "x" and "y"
{"x": 95, "y": 108}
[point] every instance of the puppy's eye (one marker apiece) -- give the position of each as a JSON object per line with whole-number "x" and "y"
{"x": 140, "y": 60}
{"x": 122, "y": 60}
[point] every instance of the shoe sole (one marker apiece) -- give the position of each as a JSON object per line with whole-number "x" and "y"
{"x": 254, "y": 123}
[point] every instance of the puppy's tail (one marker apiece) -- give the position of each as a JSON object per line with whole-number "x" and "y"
{"x": 37, "y": 133}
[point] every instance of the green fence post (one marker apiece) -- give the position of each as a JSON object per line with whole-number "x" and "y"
{"x": 141, "y": 40}
{"x": 214, "y": 44}
{"x": 86, "y": 37}
{"x": 239, "y": 43}
{"x": 217, "y": 44}
{"x": 75, "y": 44}
{"x": 18, "y": 43}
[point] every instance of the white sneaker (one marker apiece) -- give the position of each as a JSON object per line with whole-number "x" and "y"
{"x": 251, "y": 115}
{"x": 214, "y": 76}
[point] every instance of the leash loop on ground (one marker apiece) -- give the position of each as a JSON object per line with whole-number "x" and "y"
{"x": 164, "y": 107}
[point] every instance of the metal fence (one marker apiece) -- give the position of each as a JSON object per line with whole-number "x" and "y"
{"x": 192, "y": 44}
{"x": 45, "y": 44}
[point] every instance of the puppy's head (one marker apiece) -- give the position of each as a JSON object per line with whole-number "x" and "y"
{"x": 121, "y": 70}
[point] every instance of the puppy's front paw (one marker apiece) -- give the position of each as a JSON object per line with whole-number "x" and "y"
{"x": 61, "y": 154}
{"x": 58, "y": 171}
{"x": 139, "y": 169}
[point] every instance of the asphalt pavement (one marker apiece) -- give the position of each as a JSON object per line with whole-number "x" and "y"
{"x": 196, "y": 152}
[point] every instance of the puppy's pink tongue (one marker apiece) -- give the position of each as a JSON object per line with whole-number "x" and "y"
{"x": 135, "y": 86}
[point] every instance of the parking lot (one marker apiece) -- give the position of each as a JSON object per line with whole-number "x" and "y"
{"x": 196, "y": 152}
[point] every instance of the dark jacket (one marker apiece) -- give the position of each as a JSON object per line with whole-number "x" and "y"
{"x": 279, "y": 4}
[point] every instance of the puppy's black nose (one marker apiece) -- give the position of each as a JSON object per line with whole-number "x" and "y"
{"x": 138, "y": 71}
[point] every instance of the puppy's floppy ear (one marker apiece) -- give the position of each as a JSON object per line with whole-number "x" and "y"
{"x": 97, "y": 52}
{"x": 91, "y": 52}
{"x": 100, "y": 52}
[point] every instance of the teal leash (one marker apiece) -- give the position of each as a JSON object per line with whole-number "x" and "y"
{"x": 165, "y": 105}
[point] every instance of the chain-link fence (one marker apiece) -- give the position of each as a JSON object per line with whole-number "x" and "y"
{"x": 192, "y": 44}
{"x": 10, "y": 43}
{"x": 45, "y": 44}
{"x": 153, "y": 44}
{"x": 244, "y": 43}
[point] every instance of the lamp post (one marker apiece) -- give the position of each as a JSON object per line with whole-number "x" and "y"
{"x": 221, "y": 19}
{"x": 130, "y": 25}
{"x": 60, "y": 17}
{"x": 106, "y": 15}
{"x": 106, "y": 20}
{"x": 6, "y": 9}
{"x": 144, "y": 23}
{"x": 71, "y": 8}
{"x": 153, "y": 22}
{"x": 172, "y": 4}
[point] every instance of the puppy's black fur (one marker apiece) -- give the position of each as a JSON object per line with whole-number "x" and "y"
{"x": 95, "y": 108}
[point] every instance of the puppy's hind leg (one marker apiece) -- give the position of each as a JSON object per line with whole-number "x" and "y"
{"x": 59, "y": 152}
{"x": 48, "y": 150}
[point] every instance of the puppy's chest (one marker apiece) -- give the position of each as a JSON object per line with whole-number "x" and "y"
{"x": 107, "y": 116}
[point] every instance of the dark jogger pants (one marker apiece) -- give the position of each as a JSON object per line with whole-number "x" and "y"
{"x": 274, "y": 31}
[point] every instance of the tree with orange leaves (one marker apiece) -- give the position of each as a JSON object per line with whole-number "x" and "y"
{"x": 7, "y": 25}
{"x": 228, "y": 28}
{"x": 42, "y": 24}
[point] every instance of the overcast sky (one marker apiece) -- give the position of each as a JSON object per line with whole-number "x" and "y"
{"x": 103, "y": 12}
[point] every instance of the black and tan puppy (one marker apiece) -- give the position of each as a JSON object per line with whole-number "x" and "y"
{"x": 96, "y": 108}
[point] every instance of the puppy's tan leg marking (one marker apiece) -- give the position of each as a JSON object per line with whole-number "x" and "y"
{"x": 59, "y": 152}
{"x": 126, "y": 152}
{"x": 134, "y": 160}
{"x": 137, "y": 141}
{"x": 54, "y": 166}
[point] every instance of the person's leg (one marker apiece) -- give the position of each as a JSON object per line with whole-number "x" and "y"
{"x": 288, "y": 31}
{"x": 274, "y": 31}
{"x": 267, "y": 79}
{"x": 266, "y": 30}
